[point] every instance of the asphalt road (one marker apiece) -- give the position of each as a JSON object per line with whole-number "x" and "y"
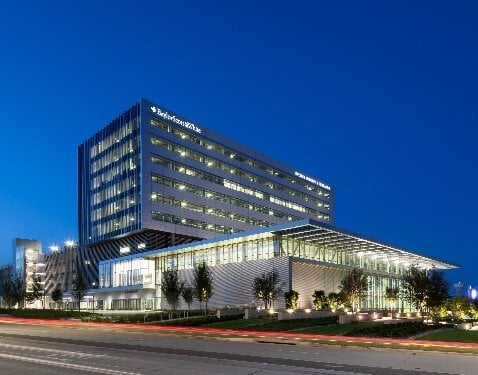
{"x": 30, "y": 349}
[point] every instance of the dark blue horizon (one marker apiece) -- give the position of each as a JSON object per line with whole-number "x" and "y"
{"x": 376, "y": 99}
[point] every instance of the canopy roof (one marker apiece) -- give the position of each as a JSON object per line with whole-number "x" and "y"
{"x": 341, "y": 240}
{"x": 319, "y": 234}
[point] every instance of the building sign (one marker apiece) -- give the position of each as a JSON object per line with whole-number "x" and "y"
{"x": 165, "y": 115}
{"x": 310, "y": 179}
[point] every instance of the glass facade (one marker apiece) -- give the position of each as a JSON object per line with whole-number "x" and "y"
{"x": 127, "y": 272}
{"x": 109, "y": 180}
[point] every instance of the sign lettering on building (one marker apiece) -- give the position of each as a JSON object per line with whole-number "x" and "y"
{"x": 165, "y": 115}
{"x": 310, "y": 179}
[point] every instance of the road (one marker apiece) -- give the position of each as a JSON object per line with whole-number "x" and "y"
{"x": 38, "y": 349}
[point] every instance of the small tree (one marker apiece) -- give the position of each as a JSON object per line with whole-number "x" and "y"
{"x": 37, "y": 293}
{"x": 202, "y": 283}
{"x": 335, "y": 301}
{"x": 188, "y": 295}
{"x": 79, "y": 289}
{"x": 320, "y": 300}
{"x": 391, "y": 295}
{"x": 57, "y": 295}
{"x": 7, "y": 291}
{"x": 414, "y": 287}
{"x": 267, "y": 287}
{"x": 13, "y": 290}
{"x": 353, "y": 287}
{"x": 291, "y": 298}
{"x": 171, "y": 288}
{"x": 437, "y": 294}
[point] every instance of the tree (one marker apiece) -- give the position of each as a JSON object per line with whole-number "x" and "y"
{"x": 57, "y": 295}
{"x": 335, "y": 301}
{"x": 424, "y": 290}
{"x": 13, "y": 289}
{"x": 8, "y": 291}
{"x": 320, "y": 300}
{"x": 79, "y": 289}
{"x": 437, "y": 290}
{"x": 267, "y": 287}
{"x": 171, "y": 288}
{"x": 202, "y": 283}
{"x": 37, "y": 293}
{"x": 291, "y": 298}
{"x": 353, "y": 287}
{"x": 460, "y": 308}
{"x": 188, "y": 295}
{"x": 414, "y": 287}
{"x": 391, "y": 295}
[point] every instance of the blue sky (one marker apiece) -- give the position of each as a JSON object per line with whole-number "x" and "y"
{"x": 377, "y": 99}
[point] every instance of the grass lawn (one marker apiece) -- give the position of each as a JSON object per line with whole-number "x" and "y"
{"x": 458, "y": 335}
{"x": 251, "y": 324}
{"x": 327, "y": 326}
{"x": 335, "y": 329}
{"x": 268, "y": 324}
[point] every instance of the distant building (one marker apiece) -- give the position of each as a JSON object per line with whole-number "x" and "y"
{"x": 28, "y": 261}
{"x": 61, "y": 267}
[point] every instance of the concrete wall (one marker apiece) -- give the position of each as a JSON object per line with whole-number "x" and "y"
{"x": 306, "y": 278}
{"x": 232, "y": 285}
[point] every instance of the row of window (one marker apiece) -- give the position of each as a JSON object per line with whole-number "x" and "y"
{"x": 126, "y": 167}
{"x": 220, "y": 197}
{"x": 231, "y": 185}
{"x": 114, "y": 190}
{"x": 265, "y": 248}
{"x": 171, "y": 201}
{"x": 231, "y": 154}
{"x": 115, "y": 153}
{"x": 116, "y": 225}
{"x": 114, "y": 138}
{"x": 113, "y": 207}
{"x": 172, "y": 219}
{"x": 211, "y": 162}
{"x": 127, "y": 161}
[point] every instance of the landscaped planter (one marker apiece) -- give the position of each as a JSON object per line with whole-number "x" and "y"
{"x": 303, "y": 314}
{"x": 228, "y": 312}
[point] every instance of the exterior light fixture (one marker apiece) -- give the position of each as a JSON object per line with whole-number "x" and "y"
{"x": 124, "y": 250}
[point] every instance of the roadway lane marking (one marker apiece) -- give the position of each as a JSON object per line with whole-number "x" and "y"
{"x": 56, "y": 351}
{"x": 47, "y": 362}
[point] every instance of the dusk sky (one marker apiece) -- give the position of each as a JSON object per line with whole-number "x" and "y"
{"x": 378, "y": 100}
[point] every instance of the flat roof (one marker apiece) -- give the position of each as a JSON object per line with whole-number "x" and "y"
{"x": 319, "y": 234}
